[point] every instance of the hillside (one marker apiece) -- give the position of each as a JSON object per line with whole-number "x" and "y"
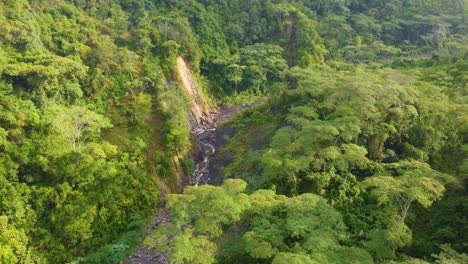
{"x": 353, "y": 148}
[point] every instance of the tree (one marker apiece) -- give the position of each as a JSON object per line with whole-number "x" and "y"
{"x": 263, "y": 64}
{"x": 382, "y": 243}
{"x": 450, "y": 256}
{"x": 293, "y": 259}
{"x": 230, "y": 69}
{"x": 301, "y": 229}
{"x": 414, "y": 182}
{"x": 14, "y": 245}
{"x": 198, "y": 217}
{"x": 307, "y": 46}
{"x": 77, "y": 124}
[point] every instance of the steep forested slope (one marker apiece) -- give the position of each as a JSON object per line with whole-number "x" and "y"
{"x": 361, "y": 146}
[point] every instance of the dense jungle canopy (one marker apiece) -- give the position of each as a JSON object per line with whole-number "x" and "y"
{"x": 358, "y": 152}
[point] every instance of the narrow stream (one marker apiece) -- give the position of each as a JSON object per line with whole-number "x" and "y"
{"x": 204, "y": 136}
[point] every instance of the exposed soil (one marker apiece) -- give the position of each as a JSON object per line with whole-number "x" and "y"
{"x": 198, "y": 112}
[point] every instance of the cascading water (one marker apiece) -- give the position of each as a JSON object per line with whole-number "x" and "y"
{"x": 204, "y": 136}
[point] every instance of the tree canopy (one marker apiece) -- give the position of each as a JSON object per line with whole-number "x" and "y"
{"x": 355, "y": 151}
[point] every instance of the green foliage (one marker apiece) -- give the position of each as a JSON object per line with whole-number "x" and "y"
{"x": 292, "y": 258}
{"x": 176, "y": 127}
{"x": 198, "y": 217}
{"x": 76, "y": 124}
{"x": 449, "y": 255}
{"x": 444, "y": 221}
{"x": 367, "y": 109}
{"x": 366, "y": 138}
{"x": 303, "y": 224}
{"x": 266, "y": 226}
{"x": 65, "y": 190}
{"x": 382, "y": 243}
{"x": 413, "y": 182}
{"x": 14, "y": 245}
{"x": 254, "y": 68}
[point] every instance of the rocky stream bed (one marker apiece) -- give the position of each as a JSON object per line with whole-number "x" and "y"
{"x": 206, "y": 139}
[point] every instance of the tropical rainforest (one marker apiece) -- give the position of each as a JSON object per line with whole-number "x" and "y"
{"x": 356, "y": 153}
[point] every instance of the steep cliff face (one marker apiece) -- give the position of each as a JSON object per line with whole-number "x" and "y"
{"x": 198, "y": 113}
{"x": 198, "y": 116}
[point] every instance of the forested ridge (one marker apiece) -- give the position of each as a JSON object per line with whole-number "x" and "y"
{"x": 357, "y": 153}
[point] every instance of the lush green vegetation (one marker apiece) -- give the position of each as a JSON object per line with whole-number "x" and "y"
{"x": 358, "y": 156}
